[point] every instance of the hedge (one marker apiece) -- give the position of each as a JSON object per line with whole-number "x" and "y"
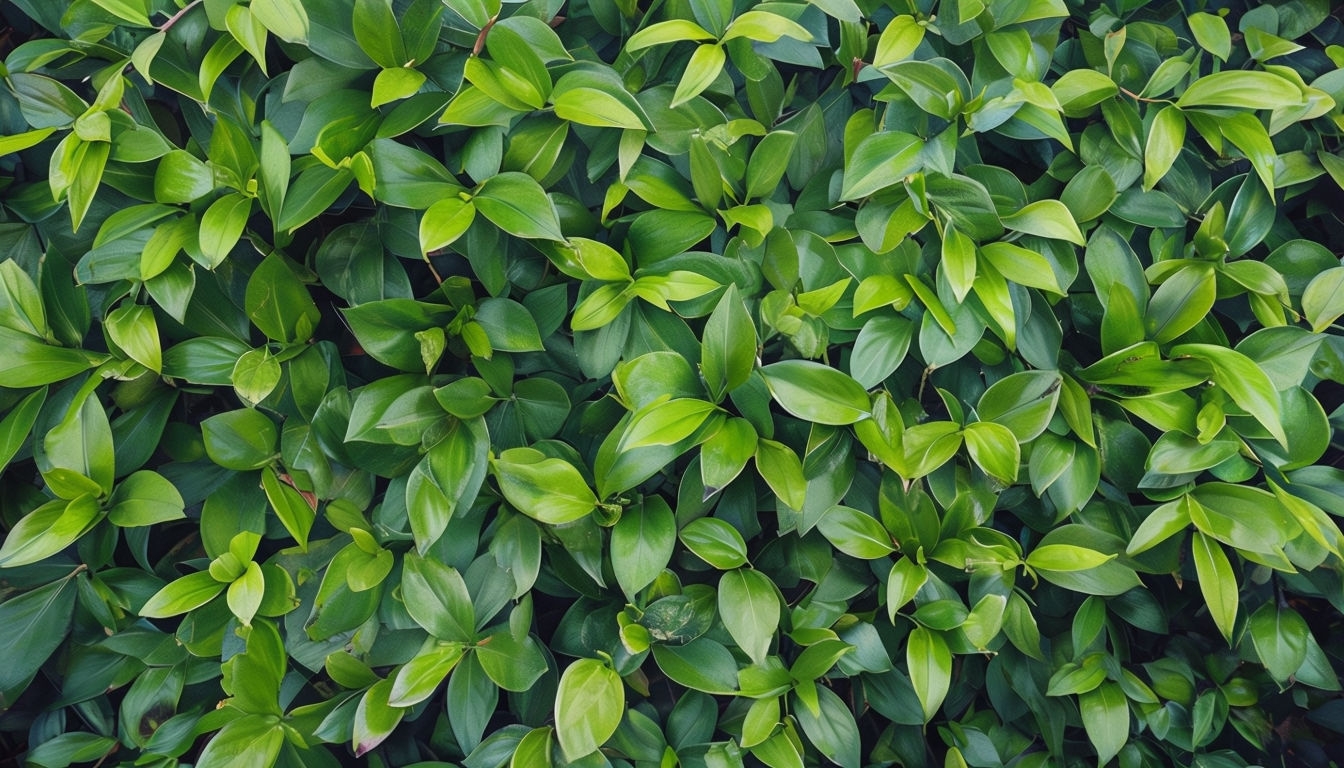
{"x": 700, "y": 383}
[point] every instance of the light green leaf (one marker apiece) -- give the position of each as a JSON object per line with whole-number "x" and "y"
{"x": 930, "y": 664}
{"x": 816, "y": 392}
{"x": 589, "y": 705}
{"x": 749, "y": 608}
{"x": 1217, "y": 582}
{"x": 546, "y": 489}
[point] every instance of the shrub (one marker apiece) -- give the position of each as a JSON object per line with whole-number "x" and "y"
{"x": 704, "y": 384}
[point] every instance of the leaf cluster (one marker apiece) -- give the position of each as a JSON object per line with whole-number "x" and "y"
{"x": 702, "y": 383}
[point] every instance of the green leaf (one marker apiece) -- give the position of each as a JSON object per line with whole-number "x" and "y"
{"x": 1023, "y": 402}
{"x": 295, "y": 512}
{"x": 446, "y": 480}
{"x": 286, "y": 19}
{"x": 726, "y": 452}
{"x": 899, "y": 39}
{"x": 1046, "y": 218}
{"x": 930, "y": 664}
{"x": 546, "y": 489}
{"x": 82, "y": 443}
{"x": 749, "y": 608}
{"x": 18, "y": 423}
{"x": 716, "y": 542}
{"x": 29, "y": 362}
{"x": 250, "y": 740}
{"x": 70, "y": 747}
{"x": 1246, "y": 89}
{"x": 420, "y": 677}
{"x": 444, "y": 222}
{"x": 278, "y": 303}
{"x": 670, "y": 31}
{"x": 517, "y": 204}
{"x": 1323, "y": 299}
{"x": 436, "y": 597}
{"x": 856, "y": 533}
{"x": 589, "y": 705}
{"x": 701, "y": 70}
{"x": 1217, "y": 582}
{"x": 375, "y": 718}
{"x": 665, "y": 423}
{"x": 514, "y": 665}
{"x": 42, "y": 618}
{"x": 816, "y": 392}
{"x": 1280, "y": 637}
{"x": 245, "y": 594}
{"x": 782, "y": 470}
{"x": 993, "y": 447}
{"x": 1166, "y": 137}
{"x": 729, "y": 352}
{"x": 185, "y": 594}
{"x": 831, "y": 728}
{"x": 1105, "y": 712}
{"x": 642, "y": 542}
{"x": 1244, "y": 381}
{"x": 240, "y": 440}
{"x": 144, "y": 498}
{"x": 1211, "y": 33}
{"x": 880, "y": 161}
{"x": 1066, "y": 557}
{"x": 181, "y": 178}
{"x": 222, "y": 225}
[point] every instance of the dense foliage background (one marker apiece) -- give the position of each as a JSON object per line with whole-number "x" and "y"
{"x": 684, "y": 383}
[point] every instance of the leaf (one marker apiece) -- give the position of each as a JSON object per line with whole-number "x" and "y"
{"x": 1246, "y": 89}
{"x": 222, "y": 225}
{"x": 899, "y": 39}
{"x": 816, "y": 392}
{"x": 144, "y": 498}
{"x": 749, "y": 608}
{"x": 18, "y": 423}
{"x": 665, "y": 423}
{"x": 1046, "y": 218}
{"x": 514, "y": 665}
{"x": 993, "y": 447}
{"x": 546, "y": 489}
{"x": 1217, "y": 582}
{"x": 642, "y": 542}
{"x": 446, "y": 480}
{"x": 278, "y": 303}
{"x": 880, "y": 161}
{"x": 729, "y": 352}
{"x": 286, "y": 19}
{"x": 1024, "y": 402}
{"x": 1066, "y": 557}
{"x": 1323, "y": 299}
{"x": 444, "y": 222}
{"x": 716, "y": 542}
{"x": 930, "y": 664}
{"x": 28, "y": 362}
{"x": 517, "y": 204}
{"x": 782, "y": 470}
{"x": 185, "y": 594}
{"x": 701, "y": 71}
{"x": 1105, "y": 712}
{"x": 589, "y": 705}
{"x": 855, "y": 533}
{"x": 294, "y": 511}
{"x": 1280, "y": 635}
{"x": 1244, "y": 381}
{"x": 831, "y": 728}
{"x": 251, "y": 740}
{"x": 420, "y": 677}
{"x": 725, "y": 453}
{"x": 670, "y": 31}
{"x": 42, "y": 618}
{"x": 375, "y": 718}
{"x": 1166, "y": 137}
{"x": 436, "y": 597}
{"x": 1211, "y": 33}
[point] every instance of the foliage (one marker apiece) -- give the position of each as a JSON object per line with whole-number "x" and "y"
{"x": 686, "y": 383}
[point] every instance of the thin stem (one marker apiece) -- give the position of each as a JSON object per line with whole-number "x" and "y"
{"x": 167, "y": 25}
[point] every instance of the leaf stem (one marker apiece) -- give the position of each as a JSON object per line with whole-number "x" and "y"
{"x": 167, "y": 25}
